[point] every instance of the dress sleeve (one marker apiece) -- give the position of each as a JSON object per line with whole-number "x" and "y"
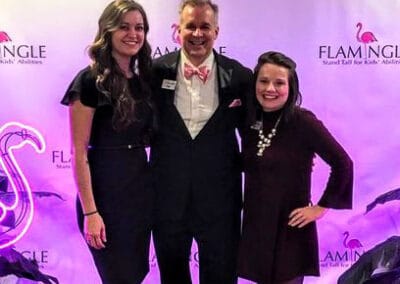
{"x": 338, "y": 193}
{"x": 83, "y": 88}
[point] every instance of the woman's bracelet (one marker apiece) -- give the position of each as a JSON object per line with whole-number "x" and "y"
{"x": 90, "y": 213}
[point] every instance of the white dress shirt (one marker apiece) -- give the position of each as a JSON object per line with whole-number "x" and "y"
{"x": 196, "y": 101}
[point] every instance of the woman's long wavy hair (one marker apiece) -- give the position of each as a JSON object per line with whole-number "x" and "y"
{"x": 294, "y": 98}
{"x": 110, "y": 79}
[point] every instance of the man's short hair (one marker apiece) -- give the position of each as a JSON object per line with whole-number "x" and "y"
{"x": 195, "y": 3}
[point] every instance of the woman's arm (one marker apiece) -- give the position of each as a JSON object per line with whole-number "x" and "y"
{"x": 339, "y": 187}
{"x": 81, "y": 118}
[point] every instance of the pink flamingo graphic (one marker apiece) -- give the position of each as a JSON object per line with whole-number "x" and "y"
{"x": 351, "y": 244}
{"x": 175, "y": 34}
{"x": 365, "y": 38}
{"x": 4, "y": 37}
{"x": 13, "y": 136}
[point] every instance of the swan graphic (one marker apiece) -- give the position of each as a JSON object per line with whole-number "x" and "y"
{"x": 14, "y": 136}
{"x": 365, "y": 37}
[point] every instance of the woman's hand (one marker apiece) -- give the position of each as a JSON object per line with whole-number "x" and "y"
{"x": 302, "y": 216}
{"x": 95, "y": 231}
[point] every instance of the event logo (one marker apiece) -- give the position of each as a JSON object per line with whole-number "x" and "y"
{"x": 346, "y": 255}
{"x": 369, "y": 51}
{"x": 160, "y": 51}
{"x": 194, "y": 260}
{"x": 4, "y": 37}
{"x": 365, "y": 38}
{"x": 41, "y": 257}
{"x": 61, "y": 159}
{"x": 175, "y": 34}
{"x": 16, "y": 206}
{"x": 11, "y": 52}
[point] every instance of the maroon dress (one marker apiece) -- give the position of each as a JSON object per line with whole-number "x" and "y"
{"x": 278, "y": 182}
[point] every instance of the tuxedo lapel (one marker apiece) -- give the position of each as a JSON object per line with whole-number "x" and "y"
{"x": 224, "y": 81}
{"x": 225, "y": 93}
{"x": 224, "y": 85}
{"x": 170, "y": 73}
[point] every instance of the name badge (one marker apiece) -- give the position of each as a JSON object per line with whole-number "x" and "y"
{"x": 168, "y": 84}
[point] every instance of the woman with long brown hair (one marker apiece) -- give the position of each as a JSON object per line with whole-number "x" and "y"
{"x": 111, "y": 118}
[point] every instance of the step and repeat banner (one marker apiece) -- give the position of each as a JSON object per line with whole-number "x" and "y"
{"x": 348, "y": 56}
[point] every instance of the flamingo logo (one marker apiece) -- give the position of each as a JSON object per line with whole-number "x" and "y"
{"x": 351, "y": 244}
{"x": 14, "y": 136}
{"x": 365, "y": 37}
{"x": 4, "y": 37}
{"x": 175, "y": 33}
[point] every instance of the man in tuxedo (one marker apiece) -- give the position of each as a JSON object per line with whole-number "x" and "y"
{"x": 200, "y": 96}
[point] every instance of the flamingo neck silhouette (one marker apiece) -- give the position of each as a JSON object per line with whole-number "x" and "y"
{"x": 359, "y": 26}
{"x": 28, "y": 136}
{"x": 346, "y": 235}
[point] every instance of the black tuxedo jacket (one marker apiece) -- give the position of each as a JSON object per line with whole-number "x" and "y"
{"x": 201, "y": 174}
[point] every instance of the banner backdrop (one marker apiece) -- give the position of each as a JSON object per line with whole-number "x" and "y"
{"x": 348, "y": 56}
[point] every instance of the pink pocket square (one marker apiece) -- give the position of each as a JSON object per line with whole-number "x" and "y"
{"x": 235, "y": 103}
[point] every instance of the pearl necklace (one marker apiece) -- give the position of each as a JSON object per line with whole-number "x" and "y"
{"x": 265, "y": 141}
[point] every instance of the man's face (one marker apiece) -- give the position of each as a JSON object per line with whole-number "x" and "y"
{"x": 198, "y": 30}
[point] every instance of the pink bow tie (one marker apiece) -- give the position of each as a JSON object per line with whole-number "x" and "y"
{"x": 202, "y": 72}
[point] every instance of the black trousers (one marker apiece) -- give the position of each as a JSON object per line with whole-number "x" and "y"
{"x": 217, "y": 242}
{"x": 125, "y": 259}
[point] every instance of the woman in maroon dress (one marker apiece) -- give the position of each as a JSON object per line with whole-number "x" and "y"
{"x": 279, "y": 241}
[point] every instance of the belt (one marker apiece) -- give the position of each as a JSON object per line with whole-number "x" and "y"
{"x": 119, "y": 147}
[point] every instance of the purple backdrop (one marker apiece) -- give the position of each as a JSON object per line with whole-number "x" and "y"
{"x": 348, "y": 76}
